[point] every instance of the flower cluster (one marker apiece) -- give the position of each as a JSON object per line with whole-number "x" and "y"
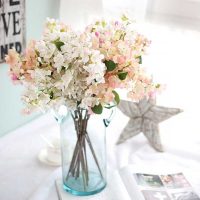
{"x": 82, "y": 69}
{"x": 123, "y": 49}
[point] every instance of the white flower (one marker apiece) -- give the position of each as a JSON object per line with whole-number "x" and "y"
{"x": 52, "y": 25}
{"x": 84, "y": 55}
{"x": 58, "y": 61}
{"x": 46, "y": 50}
{"x": 96, "y": 56}
{"x": 96, "y": 73}
{"x": 66, "y": 48}
{"x": 66, "y": 78}
{"x": 29, "y": 93}
{"x": 50, "y": 50}
{"x": 43, "y": 99}
{"x": 52, "y": 36}
{"x": 57, "y": 103}
{"x": 41, "y": 74}
{"x": 99, "y": 78}
{"x": 41, "y": 47}
{"x": 89, "y": 101}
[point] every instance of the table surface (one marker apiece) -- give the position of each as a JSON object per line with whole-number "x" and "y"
{"x": 23, "y": 176}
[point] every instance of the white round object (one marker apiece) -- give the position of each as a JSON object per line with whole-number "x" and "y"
{"x": 43, "y": 157}
{"x": 53, "y": 154}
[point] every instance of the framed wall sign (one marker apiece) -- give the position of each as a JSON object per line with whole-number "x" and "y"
{"x": 12, "y": 26}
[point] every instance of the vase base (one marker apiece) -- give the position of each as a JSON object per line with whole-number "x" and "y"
{"x": 82, "y": 193}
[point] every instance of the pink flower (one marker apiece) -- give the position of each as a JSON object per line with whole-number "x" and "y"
{"x": 135, "y": 96}
{"x": 115, "y": 58}
{"x": 97, "y": 34}
{"x": 152, "y": 94}
{"x": 109, "y": 96}
{"x": 90, "y": 112}
{"x": 31, "y": 57}
{"x": 95, "y": 43}
{"x": 114, "y": 82}
{"x": 101, "y": 40}
{"x": 107, "y": 33}
{"x": 27, "y": 77}
{"x": 12, "y": 58}
{"x": 25, "y": 112}
{"x": 106, "y": 45}
{"x": 121, "y": 59}
{"x": 14, "y": 77}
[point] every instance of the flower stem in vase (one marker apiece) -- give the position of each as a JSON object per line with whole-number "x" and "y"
{"x": 79, "y": 163}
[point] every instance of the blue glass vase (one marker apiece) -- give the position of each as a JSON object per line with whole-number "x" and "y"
{"x": 84, "y": 169}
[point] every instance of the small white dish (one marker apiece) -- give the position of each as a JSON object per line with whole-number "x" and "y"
{"x": 43, "y": 157}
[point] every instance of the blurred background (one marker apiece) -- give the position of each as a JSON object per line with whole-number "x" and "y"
{"x": 173, "y": 58}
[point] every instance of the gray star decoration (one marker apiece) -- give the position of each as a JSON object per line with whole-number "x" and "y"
{"x": 145, "y": 117}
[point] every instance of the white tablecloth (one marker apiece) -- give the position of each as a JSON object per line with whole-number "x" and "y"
{"x": 23, "y": 177}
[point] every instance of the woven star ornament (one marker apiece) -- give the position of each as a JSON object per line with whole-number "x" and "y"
{"x": 145, "y": 117}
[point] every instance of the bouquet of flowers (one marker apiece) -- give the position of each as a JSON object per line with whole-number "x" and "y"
{"x": 82, "y": 69}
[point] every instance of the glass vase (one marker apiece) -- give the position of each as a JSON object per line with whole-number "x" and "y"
{"x": 84, "y": 166}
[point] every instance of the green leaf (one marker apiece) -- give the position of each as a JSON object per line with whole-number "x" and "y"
{"x": 140, "y": 59}
{"x": 110, "y": 65}
{"x": 158, "y": 86}
{"x": 93, "y": 30}
{"x": 97, "y": 109}
{"x": 51, "y": 95}
{"x": 58, "y": 44}
{"x": 103, "y": 23}
{"x": 124, "y": 17}
{"x": 117, "y": 98}
{"x": 122, "y": 75}
{"x": 97, "y": 23}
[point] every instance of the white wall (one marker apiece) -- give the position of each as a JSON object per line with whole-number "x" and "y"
{"x": 180, "y": 8}
{"x": 78, "y": 13}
